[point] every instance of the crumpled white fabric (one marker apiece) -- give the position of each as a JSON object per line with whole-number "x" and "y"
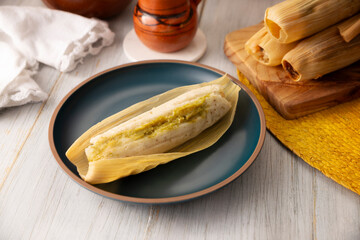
{"x": 29, "y": 35}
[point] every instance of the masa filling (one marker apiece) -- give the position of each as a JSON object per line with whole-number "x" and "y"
{"x": 186, "y": 113}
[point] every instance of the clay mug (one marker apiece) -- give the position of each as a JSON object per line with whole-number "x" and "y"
{"x": 166, "y": 25}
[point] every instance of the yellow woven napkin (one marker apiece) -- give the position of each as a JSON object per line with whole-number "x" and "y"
{"x": 328, "y": 140}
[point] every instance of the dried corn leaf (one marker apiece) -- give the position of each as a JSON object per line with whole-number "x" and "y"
{"x": 350, "y": 28}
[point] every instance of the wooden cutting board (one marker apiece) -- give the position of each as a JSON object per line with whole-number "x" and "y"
{"x": 292, "y": 99}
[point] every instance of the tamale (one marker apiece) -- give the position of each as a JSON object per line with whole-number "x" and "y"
{"x": 161, "y": 128}
{"x": 292, "y": 20}
{"x": 350, "y": 28}
{"x": 266, "y": 49}
{"x": 126, "y": 144}
{"x": 320, "y": 54}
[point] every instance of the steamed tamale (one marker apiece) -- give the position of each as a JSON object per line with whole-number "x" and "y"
{"x": 156, "y": 131}
{"x": 320, "y": 54}
{"x": 162, "y": 128}
{"x": 266, "y": 49}
{"x": 292, "y": 20}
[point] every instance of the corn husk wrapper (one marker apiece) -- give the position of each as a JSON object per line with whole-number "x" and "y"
{"x": 320, "y": 54}
{"x": 292, "y": 20}
{"x": 107, "y": 170}
{"x": 267, "y": 50}
{"x": 350, "y": 28}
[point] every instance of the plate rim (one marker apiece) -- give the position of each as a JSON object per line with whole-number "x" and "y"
{"x": 167, "y": 199}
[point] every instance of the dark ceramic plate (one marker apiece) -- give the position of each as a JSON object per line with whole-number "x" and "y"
{"x": 189, "y": 177}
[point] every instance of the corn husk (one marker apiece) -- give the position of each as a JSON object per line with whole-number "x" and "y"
{"x": 320, "y": 54}
{"x": 350, "y": 28}
{"x": 267, "y": 50}
{"x": 107, "y": 170}
{"x": 292, "y": 20}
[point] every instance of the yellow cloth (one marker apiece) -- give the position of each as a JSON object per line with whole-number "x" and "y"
{"x": 328, "y": 140}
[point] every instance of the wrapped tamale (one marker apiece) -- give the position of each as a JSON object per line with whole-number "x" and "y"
{"x": 266, "y": 49}
{"x": 156, "y": 131}
{"x": 292, "y": 20}
{"x": 320, "y": 54}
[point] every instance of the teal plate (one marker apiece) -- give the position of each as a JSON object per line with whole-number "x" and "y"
{"x": 186, "y": 178}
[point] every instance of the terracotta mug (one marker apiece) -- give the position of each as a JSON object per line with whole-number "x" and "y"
{"x": 166, "y": 25}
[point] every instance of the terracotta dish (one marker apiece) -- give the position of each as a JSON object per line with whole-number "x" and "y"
{"x": 89, "y": 8}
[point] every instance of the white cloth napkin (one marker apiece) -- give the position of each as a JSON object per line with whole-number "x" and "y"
{"x": 29, "y": 35}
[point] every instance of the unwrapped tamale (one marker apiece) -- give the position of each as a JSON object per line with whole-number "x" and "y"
{"x": 194, "y": 119}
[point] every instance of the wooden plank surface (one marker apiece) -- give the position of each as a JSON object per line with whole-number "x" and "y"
{"x": 291, "y": 99}
{"x": 278, "y": 197}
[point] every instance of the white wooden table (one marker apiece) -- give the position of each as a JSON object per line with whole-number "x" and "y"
{"x": 278, "y": 197}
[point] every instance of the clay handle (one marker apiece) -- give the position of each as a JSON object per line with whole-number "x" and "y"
{"x": 196, "y": 2}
